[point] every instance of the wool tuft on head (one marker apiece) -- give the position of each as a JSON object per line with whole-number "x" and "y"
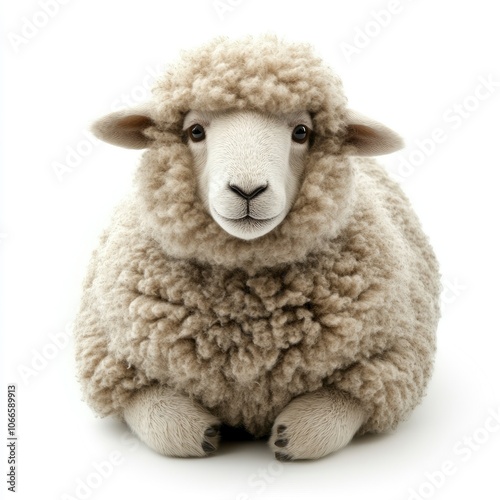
{"x": 266, "y": 273}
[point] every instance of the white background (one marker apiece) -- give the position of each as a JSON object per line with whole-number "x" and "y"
{"x": 411, "y": 74}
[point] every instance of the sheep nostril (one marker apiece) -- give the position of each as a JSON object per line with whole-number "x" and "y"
{"x": 248, "y": 195}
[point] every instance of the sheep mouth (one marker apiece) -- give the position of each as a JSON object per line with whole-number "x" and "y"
{"x": 246, "y": 227}
{"x": 247, "y": 219}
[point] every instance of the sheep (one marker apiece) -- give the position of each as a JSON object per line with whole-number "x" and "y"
{"x": 265, "y": 273}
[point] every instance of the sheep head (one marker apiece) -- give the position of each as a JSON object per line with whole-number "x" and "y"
{"x": 232, "y": 174}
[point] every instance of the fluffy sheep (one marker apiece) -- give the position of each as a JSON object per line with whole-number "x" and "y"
{"x": 265, "y": 273}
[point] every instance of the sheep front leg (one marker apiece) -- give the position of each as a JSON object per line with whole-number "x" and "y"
{"x": 316, "y": 424}
{"x": 172, "y": 424}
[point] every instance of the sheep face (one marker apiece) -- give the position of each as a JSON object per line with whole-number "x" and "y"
{"x": 248, "y": 165}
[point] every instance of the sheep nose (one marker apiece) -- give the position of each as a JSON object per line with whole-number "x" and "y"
{"x": 247, "y": 195}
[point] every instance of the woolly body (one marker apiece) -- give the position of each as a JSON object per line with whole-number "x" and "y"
{"x": 342, "y": 294}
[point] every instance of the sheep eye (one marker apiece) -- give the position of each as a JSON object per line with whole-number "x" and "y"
{"x": 196, "y": 133}
{"x": 300, "y": 134}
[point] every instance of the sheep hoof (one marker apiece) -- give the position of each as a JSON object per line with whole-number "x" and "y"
{"x": 281, "y": 443}
{"x": 212, "y": 431}
{"x": 316, "y": 424}
{"x": 208, "y": 447}
{"x": 171, "y": 423}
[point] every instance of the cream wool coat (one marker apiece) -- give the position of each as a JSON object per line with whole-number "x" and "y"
{"x": 343, "y": 293}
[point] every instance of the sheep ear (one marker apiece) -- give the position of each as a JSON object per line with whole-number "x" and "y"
{"x": 125, "y": 128}
{"x": 369, "y": 137}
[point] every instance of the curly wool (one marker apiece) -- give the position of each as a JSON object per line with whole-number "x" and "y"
{"x": 265, "y": 75}
{"x": 343, "y": 293}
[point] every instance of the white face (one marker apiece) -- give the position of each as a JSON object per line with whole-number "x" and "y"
{"x": 249, "y": 166}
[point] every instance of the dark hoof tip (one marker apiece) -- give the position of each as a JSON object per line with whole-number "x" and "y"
{"x": 281, "y": 429}
{"x": 212, "y": 431}
{"x": 282, "y": 457}
{"x": 281, "y": 443}
{"x": 208, "y": 447}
